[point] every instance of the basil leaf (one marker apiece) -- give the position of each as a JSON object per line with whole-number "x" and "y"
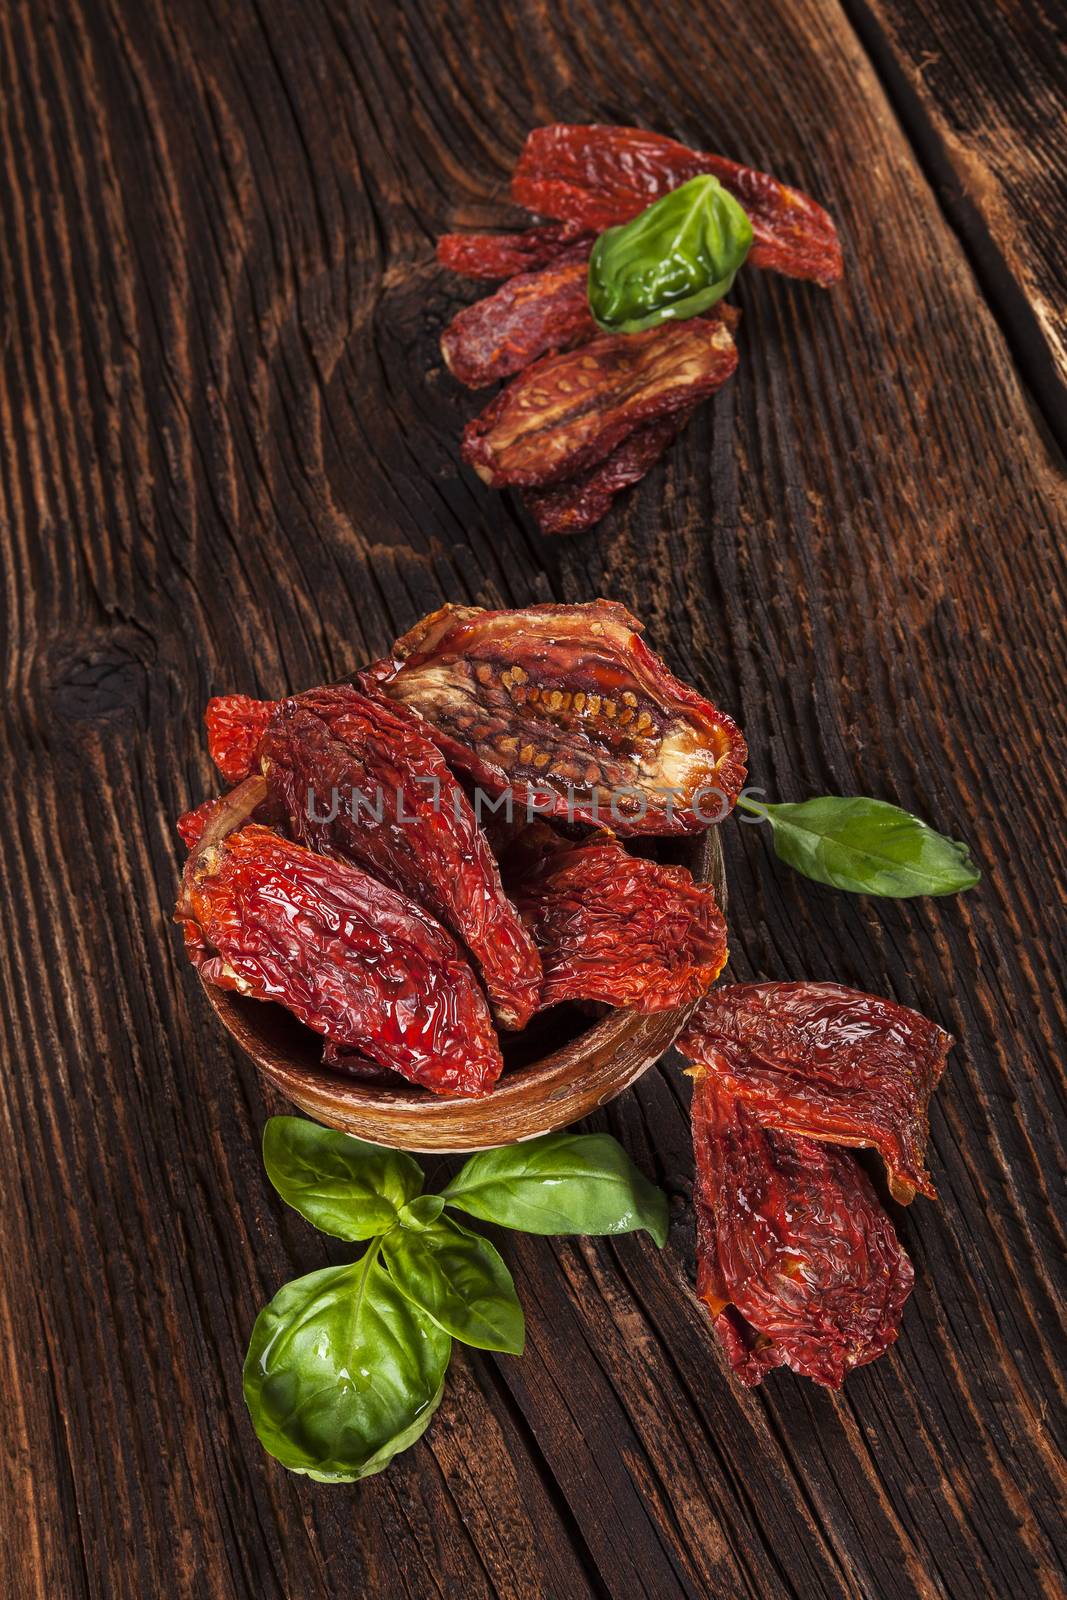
{"x": 674, "y": 260}
{"x": 561, "y": 1183}
{"x": 422, "y": 1212}
{"x": 343, "y": 1372}
{"x": 867, "y": 847}
{"x": 460, "y": 1280}
{"x": 345, "y": 1187}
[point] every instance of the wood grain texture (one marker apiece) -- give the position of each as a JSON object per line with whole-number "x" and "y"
{"x": 983, "y": 96}
{"x": 228, "y": 460}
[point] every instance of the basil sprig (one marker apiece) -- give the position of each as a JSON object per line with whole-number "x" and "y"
{"x": 460, "y": 1280}
{"x": 674, "y": 260}
{"x": 866, "y": 847}
{"x": 346, "y": 1366}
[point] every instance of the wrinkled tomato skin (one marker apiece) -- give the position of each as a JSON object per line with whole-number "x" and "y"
{"x": 532, "y": 313}
{"x": 566, "y": 413}
{"x": 235, "y": 724}
{"x": 402, "y": 816}
{"x": 612, "y": 927}
{"x": 827, "y": 1062}
{"x": 797, "y": 1262}
{"x": 351, "y": 958}
{"x": 492, "y": 256}
{"x": 581, "y": 502}
{"x": 567, "y": 711}
{"x": 339, "y": 1059}
{"x": 597, "y": 176}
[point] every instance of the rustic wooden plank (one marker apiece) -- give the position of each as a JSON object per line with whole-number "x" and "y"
{"x": 228, "y": 459}
{"x": 982, "y": 93}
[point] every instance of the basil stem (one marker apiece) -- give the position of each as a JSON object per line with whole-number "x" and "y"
{"x": 865, "y": 846}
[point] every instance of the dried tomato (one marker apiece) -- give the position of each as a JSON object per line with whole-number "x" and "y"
{"x": 579, "y": 503}
{"x": 830, "y": 1063}
{"x": 501, "y": 255}
{"x": 235, "y": 724}
{"x": 191, "y": 824}
{"x": 568, "y": 412}
{"x": 596, "y": 177}
{"x": 531, "y": 313}
{"x": 567, "y": 710}
{"x": 349, "y": 956}
{"x": 340, "y": 1059}
{"x": 797, "y": 1262}
{"x": 360, "y": 777}
{"x": 615, "y": 927}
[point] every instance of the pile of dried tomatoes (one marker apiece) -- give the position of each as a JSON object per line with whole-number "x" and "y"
{"x": 589, "y": 413}
{"x": 433, "y": 851}
{"x": 380, "y": 887}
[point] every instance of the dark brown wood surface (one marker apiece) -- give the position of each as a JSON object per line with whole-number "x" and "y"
{"x": 982, "y": 93}
{"x": 228, "y": 460}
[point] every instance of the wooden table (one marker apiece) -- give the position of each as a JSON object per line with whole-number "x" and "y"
{"x": 229, "y": 461}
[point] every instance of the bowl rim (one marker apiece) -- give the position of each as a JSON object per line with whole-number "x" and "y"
{"x": 541, "y": 1097}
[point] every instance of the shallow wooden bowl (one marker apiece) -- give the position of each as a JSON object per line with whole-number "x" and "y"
{"x": 560, "y": 1068}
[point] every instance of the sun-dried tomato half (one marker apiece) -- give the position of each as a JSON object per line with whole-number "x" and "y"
{"x": 530, "y": 314}
{"x": 597, "y": 176}
{"x": 567, "y": 412}
{"x": 830, "y": 1063}
{"x": 614, "y": 927}
{"x": 797, "y": 1262}
{"x": 500, "y": 255}
{"x": 360, "y": 777}
{"x": 354, "y": 960}
{"x": 579, "y": 503}
{"x": 235, "y": 724}
{"x": 567, "y": 710}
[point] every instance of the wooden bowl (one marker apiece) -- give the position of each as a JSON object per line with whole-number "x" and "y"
{"x": 560, "y": 1068}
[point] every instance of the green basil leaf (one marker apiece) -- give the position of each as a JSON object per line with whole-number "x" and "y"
{"x": 460, "y": 1280}
{"x": 867, "y": 847}
{"x": 343, "y": 1372}
{"x": 561, "y": 1183}
{"x": 675, "y": 260}
{"x": 346, "y": 1187}
{"x": 422, "y": 1212}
